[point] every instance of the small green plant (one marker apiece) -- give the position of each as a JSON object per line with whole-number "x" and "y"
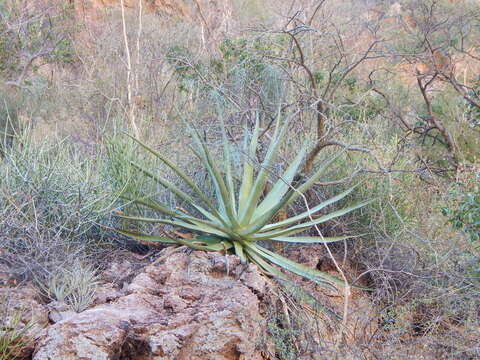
{"x": 238, "y": 219}
{"x": 75, "y": 286}
{"x": 64, "y": 52}
{"x": 13, "y": 331}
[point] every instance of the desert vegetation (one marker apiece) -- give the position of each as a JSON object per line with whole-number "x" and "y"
{"x": 128, "y": 126}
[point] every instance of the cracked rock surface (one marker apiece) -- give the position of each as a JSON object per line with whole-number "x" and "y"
{"x": 183, "y": 306}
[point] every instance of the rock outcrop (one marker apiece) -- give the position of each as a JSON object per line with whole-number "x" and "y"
{"x": 183, "y": 306}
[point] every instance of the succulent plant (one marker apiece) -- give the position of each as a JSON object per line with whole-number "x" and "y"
{"x": 239, "y": 218}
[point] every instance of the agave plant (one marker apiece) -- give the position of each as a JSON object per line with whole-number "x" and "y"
{"x": 239, "y": 218}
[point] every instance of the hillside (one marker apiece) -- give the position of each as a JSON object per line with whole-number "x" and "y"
{"x": 206, "y": 179}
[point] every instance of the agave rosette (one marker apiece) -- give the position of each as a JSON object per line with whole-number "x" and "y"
{"x": 239, "y": 216}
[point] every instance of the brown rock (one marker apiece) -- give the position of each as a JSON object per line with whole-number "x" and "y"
{"x": 119, "y": 272}
{"x": 94, "y": 334}
{"x": 26, "y": 301}
{"x": 183, "y": 307}
{"x": 106, "y": 293}
{"x": 59, "y": 311}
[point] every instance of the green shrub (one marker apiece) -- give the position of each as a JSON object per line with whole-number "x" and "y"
{"x": 53, "y": 203}
{"x": 465, "y": 215}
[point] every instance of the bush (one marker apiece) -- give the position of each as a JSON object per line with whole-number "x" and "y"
{"x": 465, "y": 215}
{"x": 54, "y": 203}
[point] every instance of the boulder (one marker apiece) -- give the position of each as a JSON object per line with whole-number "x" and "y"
{"x": 186, "y": 305}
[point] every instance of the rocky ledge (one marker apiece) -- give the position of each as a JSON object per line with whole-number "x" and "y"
{"x": 185, "y": 305}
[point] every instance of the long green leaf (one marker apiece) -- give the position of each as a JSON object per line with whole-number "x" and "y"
{"x": 181, "y": 194}
{"x": 182, "y": 175}
{"x": 198, "y": 244}
{"x": 312, "y": 211}
{"x": 265, "y": 266}
{"x": 227, "y": 158}
{"x": 303, "y": 226}
{"x": 221, "y": 206}
{"x": 151, "y": 204}
{"x": 144, "y": 237}
{"x": 209, "y": 229}
{"x": 260, "y": 182}
{"x": 220, "y": 200}
{"x": 331, "y": 215}
{"x": 222, "y": 192}
{"x": 170, "y": 212}
{"x": 281, "y": 186}
{"x": 311, "y": 239}
{"x": 239, "y": 252}
{"x": 319, "y": 277}
{"x": 247, "y": 179}
{"x": 265, "y": 218}
{"x": 199, "y": 222}
{"x": 314, "y": 178}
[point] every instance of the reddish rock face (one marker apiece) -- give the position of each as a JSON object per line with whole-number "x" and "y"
{"x": 93, "y": 10}
{"x": 183, "y": 307}
{"x": 210, "y": 19}
{"x": 209, "y": 12}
